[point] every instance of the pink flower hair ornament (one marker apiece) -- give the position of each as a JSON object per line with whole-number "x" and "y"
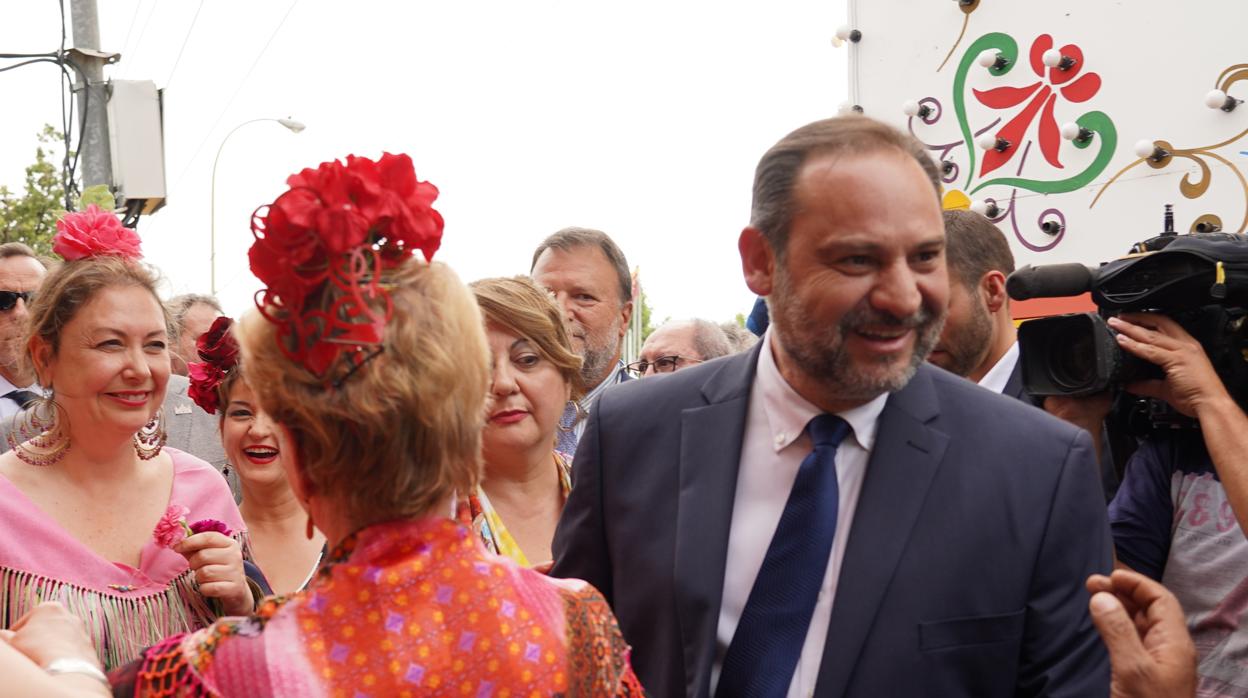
{"x": 94, "y": 233}
{"x": 322, "y": 248}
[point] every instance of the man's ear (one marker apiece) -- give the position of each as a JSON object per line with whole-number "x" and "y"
{"x": 758, "y": 261}
{"x": 992, "y": 288}
{"x": 626, "y": 314}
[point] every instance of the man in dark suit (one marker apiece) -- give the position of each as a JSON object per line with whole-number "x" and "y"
{"x": 979, "y": 342}
{"x": 827, "y": 514}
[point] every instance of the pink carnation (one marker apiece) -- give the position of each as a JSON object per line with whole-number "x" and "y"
{"x": 94, "y": 233}
{"x": 171, "y": 529}
{"x": 205, "y": 525}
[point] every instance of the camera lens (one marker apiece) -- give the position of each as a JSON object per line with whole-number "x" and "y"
{"x": 1072, "y": 358}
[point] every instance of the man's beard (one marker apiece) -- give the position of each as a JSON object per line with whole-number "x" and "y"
{"x": 820, "y": 353}
{"x": 967, "y": 348}
{"x": 599, "y": 353}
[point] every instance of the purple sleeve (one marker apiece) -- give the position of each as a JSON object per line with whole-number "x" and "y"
{"x": 1142, "y": 511}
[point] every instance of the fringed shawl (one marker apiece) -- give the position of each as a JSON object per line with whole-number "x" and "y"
{"x": 125, "y": 609}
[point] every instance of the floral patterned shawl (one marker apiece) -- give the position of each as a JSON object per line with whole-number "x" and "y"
{"x": 406, "y": 608}
{"x": 476, "y": 512}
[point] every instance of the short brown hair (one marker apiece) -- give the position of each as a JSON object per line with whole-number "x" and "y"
{"x": 72, "y": 285}
{"x": 403, "y": 432}
{"x": 10, "y": 250}
{"x": 772, "y": 210}
{"x": 528, "y": 310}
{"x": 974, "y": 247}
{"x": 572, "y": 238}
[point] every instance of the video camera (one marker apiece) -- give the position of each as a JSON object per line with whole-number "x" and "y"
{"x": 1198, "y": 279}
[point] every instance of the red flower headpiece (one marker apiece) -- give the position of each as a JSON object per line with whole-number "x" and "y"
{"x": 219, "y": 351}
{"x": 321, "y": 249}
{"x": 94, "y": 233}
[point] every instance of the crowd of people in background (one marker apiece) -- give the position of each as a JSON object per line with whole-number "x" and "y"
{"x": 383, "y": 481}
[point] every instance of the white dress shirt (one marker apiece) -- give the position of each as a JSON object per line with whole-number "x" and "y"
{"x": 9, "y": 406}
{"x": 997, "y": 376}
{"x": 774, "y": 447}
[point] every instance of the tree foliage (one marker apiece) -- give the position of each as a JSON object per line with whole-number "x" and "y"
{"x": 31, "y": 216}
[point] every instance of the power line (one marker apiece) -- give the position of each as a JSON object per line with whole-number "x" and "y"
{"x": 138, "y": 5}
{"x": 241, "y": 83}
{"x": 142, "y": 33}
{"x": 185, "y": 39}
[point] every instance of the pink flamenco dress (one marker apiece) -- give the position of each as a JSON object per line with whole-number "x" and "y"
{"x": 125, "y": 608}
{"x": 404, "y": 608}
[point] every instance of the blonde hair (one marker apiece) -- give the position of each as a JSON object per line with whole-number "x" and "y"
{"x": 527, "y": 310}
{"x": 403, "y": 432}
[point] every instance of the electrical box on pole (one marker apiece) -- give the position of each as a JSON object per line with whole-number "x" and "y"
{"x": 136, "y": 144}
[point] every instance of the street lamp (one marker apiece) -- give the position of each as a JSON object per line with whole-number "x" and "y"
{"x": 294, "y": 127}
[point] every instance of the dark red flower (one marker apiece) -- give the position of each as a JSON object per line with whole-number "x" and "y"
{"x": 205, "y": 525}
{"x": 204, "y": 379}
{"x": 94, "y": 233}
{"x": 217, "y": 345}
{"x": 1043, "y": 94}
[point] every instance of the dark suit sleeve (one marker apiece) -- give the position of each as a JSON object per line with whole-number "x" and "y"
{"x": 580, "y": 545}
{"x": 1062, "y": 653}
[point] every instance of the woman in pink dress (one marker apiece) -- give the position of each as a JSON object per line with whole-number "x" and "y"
{"x": 95, "y": 511}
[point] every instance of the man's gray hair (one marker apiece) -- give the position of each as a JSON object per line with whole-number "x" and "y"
{"x": 572, "y": 238}
{"x": 9, "y": 250}
{"x": 709, "y": 340}
{"x": 773, "y": 207}
{"x": 179, "y": 306}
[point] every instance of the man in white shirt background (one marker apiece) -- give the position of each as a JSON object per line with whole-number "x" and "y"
{"x": 979, "y": 342}
{"x": 21, "y": 273}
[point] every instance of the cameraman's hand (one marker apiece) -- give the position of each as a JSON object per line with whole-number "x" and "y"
{"x": 1191, "y": 384}
{"x": 1087, "y": 413}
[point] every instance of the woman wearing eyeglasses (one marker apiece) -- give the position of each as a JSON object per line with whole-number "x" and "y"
{"x": 534, "y": 375}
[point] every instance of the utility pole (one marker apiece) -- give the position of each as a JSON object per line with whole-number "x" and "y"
{"x": 97, "y": 166}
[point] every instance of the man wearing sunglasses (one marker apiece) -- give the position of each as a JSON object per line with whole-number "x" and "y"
{"x": 21, "y": 273}
{"x": 678, "y": 344}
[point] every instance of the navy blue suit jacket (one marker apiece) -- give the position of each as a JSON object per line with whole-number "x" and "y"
{"x": 978, "y": 521}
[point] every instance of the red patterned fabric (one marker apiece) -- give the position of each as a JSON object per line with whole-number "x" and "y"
{"x": 411, "y": 608}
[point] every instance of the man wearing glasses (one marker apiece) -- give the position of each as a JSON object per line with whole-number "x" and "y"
{"x": 678, "y": 344}
{"x": 21, "y": 273}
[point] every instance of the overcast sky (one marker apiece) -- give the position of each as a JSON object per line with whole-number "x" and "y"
{"x": 643, "y": 119}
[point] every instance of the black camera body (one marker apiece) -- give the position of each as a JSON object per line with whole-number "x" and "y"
{"x": 1199, "y": 279}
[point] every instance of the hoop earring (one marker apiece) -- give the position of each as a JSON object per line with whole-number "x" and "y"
{"x": 580, "y": 415}
{"x": 38, "y": 435}
{"x": 152, "y": 437}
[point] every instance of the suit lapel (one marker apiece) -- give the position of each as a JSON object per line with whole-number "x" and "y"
{"x": 710, "y": 453}
{"x": 1014, "y": 386}
{"x": 903, "y": 462}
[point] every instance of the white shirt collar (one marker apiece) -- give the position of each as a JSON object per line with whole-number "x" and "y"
{"x": 788, "y": 412}
{"x": 7, "y": 387}
{"x": 997, "y": 376}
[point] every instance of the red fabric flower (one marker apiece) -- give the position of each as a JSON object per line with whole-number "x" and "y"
{"x": 217, "y": 345}
{"x": 171, "y": 529}
{"x": 94, "y": 233}
{"x": 1053, "y": 82}
{"x": 205, "y": 525}
{"x": 219, "y": 351}
{"x": 322, "y": 246}
{"x": 204, "y": 379}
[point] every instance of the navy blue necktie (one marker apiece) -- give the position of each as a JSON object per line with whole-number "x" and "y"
{"x": 768, "y": 641}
